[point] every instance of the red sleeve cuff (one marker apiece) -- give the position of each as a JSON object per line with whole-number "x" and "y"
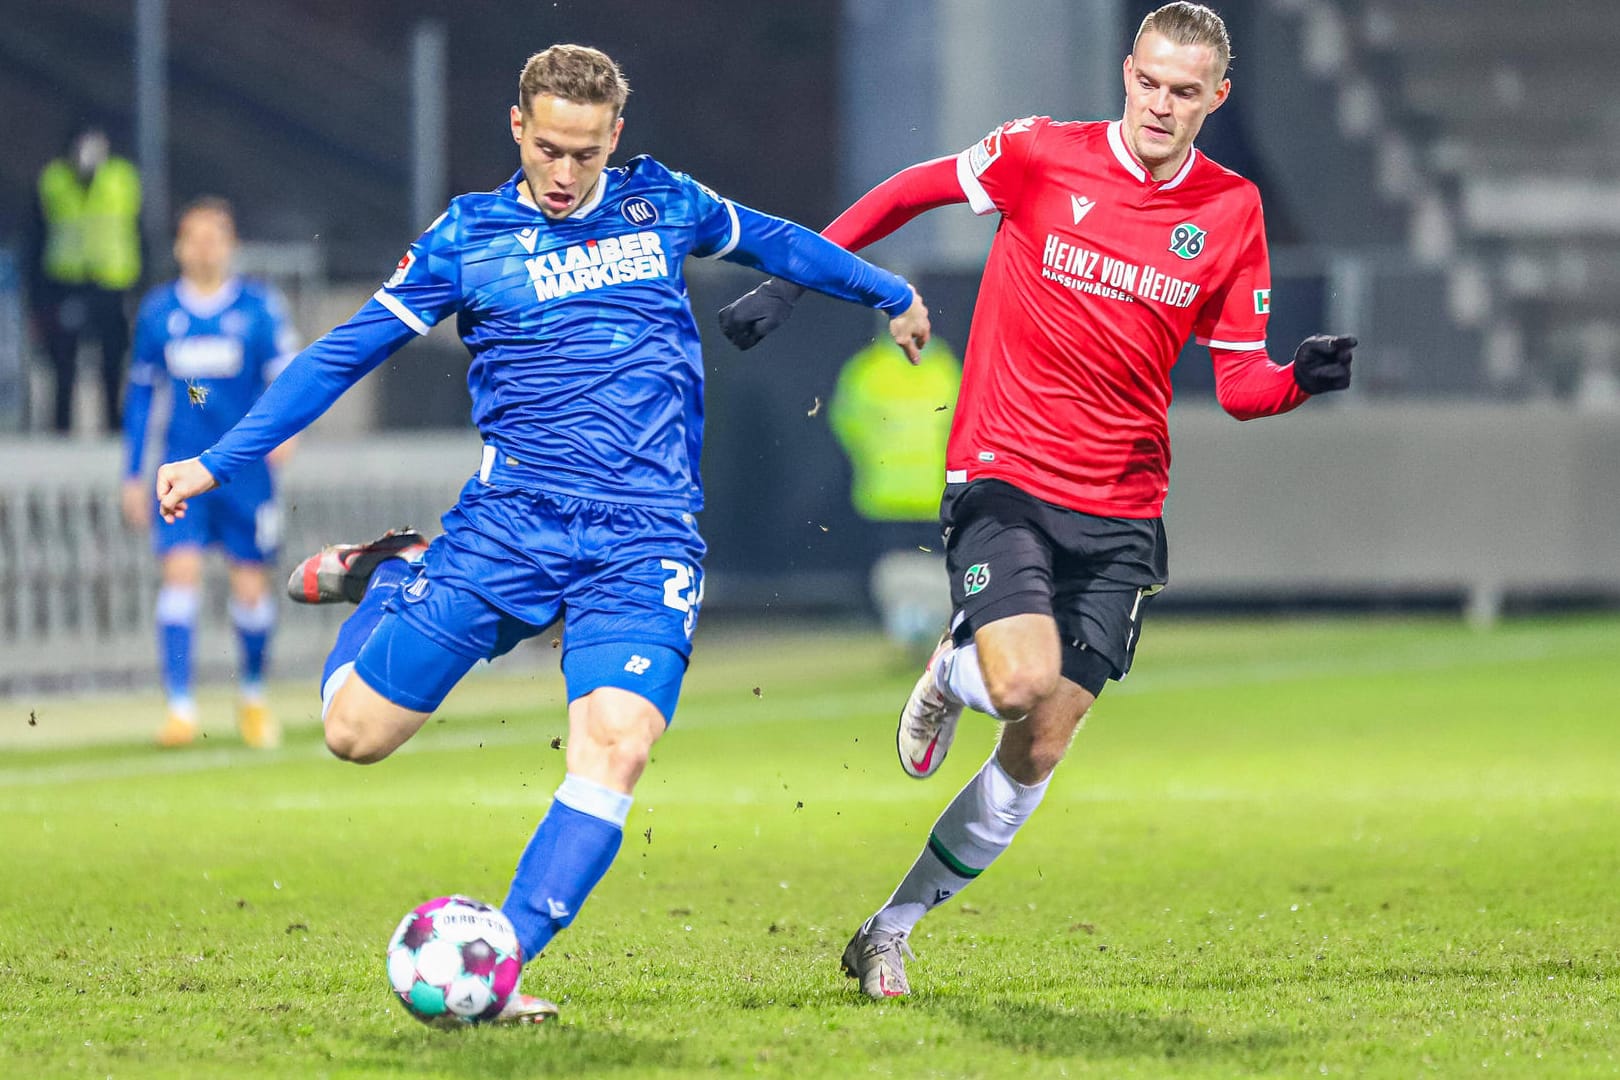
{"x": 1248, "y": 385}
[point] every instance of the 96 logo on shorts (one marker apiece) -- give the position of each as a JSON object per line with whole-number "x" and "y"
{"x": 977, "y": 578}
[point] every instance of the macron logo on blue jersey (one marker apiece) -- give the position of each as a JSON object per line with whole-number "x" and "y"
{"x": 614, "y": 260}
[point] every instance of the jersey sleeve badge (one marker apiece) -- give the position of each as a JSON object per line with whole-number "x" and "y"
{"x": 401, "y": 270}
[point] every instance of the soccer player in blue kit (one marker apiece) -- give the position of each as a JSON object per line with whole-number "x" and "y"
{"x": 586, "y": 382}
{"x": 217, "y": 340}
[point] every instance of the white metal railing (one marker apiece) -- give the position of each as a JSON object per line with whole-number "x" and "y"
{"x": 77, "y": 587}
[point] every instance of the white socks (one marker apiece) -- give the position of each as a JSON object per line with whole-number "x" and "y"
{"x": 178, "y": 605}
{"x": 958, "y": 677}
{"x": 255, "y": 618}
{"x": 597, "y": 800}
{"x": 978, "y": 825}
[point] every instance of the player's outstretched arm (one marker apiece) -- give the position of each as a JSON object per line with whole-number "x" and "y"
{"x": 315, "y": 379}
{"x": 177, "y": 482}
{"x": 750, "y": 318}
{"x": 796, "y": 254}
{"x": 1249, "y": 385}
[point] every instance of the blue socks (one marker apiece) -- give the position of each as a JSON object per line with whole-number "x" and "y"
{"x": 254, "y": 623}
{"x": 571, "y": 850}
{"x": 352, "y": 635}
{"x": 177, "y": 607}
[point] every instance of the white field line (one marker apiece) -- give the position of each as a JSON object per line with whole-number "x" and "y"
{"x": 1201, "y": 677}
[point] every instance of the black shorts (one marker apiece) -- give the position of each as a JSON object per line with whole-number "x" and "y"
{"x": 1009, "y": 553}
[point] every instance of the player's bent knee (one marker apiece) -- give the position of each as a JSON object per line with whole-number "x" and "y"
{"x": 627, "y": 753}
{"x": 349, "y": 740}
{"x": 357, "y": 734}
{"x": 1018, "y": 687}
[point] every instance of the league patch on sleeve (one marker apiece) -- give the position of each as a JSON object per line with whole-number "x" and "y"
{"x": 1262, "y": 301}
{"x": 401, "y": 270}
{"x": 984, "y": 153}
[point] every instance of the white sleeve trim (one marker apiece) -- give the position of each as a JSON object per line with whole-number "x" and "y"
{"x": 1234, "y": 346}
{"x": 977, "y": 197}
{"x": 736, "y": 233}
{"x": 405, "y": 314}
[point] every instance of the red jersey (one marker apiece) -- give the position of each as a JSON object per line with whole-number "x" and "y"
{"x": 1097, "y": 276}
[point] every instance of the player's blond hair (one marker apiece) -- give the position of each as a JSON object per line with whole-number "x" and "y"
{"x": 1184, "y": 23}
{"x": 576, "y": 73}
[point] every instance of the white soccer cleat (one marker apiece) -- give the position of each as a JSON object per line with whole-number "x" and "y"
{"x": 877, "y": 960}
{"x": 526, "y": 1009}
{"x": 928, "y": 722}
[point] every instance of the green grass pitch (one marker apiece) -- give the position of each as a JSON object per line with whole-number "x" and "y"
{"x": 1368, "y": 848}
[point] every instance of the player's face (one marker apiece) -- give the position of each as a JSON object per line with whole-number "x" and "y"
{"x": 204, "y": 245}
{"x": 1169, "y": 90}
{"x": 564, "y": 146}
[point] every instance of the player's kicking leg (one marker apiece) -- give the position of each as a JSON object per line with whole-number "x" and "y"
{"x": 362, "y": 725}
{"x": 366, "y": 723}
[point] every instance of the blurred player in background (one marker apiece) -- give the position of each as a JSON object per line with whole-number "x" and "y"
{"x": 586, "y": 382}
{"x": 216, "y": 341}
{"x": 1117, "y": 242}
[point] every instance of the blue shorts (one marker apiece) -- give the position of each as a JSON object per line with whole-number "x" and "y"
{"x": 628, "y": 579}
{"x": 242, "y": 517}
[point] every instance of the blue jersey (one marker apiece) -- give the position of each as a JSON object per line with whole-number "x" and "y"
{"x": 586, "y": 373}
{"x": 217, "y": 354}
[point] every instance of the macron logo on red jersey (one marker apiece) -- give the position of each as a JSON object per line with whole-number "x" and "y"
{"x": 1082, "y": 206}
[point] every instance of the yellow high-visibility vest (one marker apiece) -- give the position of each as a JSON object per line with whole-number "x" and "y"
{"x": 893, "y": 420}
{"x": 92, "y": 233}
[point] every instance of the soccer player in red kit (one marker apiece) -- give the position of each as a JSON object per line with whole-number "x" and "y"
{"x": 1117, "y": 242}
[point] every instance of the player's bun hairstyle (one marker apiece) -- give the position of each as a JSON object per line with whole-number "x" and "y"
{"x": 1191, "y": 24}
{"x": 576, "y": 73}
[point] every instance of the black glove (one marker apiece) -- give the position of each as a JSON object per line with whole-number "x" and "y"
{"x": 748, "y": 319}
{"x": 1322, "y": 363}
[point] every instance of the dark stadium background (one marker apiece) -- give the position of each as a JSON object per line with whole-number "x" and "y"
{"x": 1417, "y": 174}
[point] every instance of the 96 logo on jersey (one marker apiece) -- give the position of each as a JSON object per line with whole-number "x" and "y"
{"x": 1187, "y": 240}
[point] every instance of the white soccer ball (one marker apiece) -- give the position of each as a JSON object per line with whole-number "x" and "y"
{"x": 454, "y": 960}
